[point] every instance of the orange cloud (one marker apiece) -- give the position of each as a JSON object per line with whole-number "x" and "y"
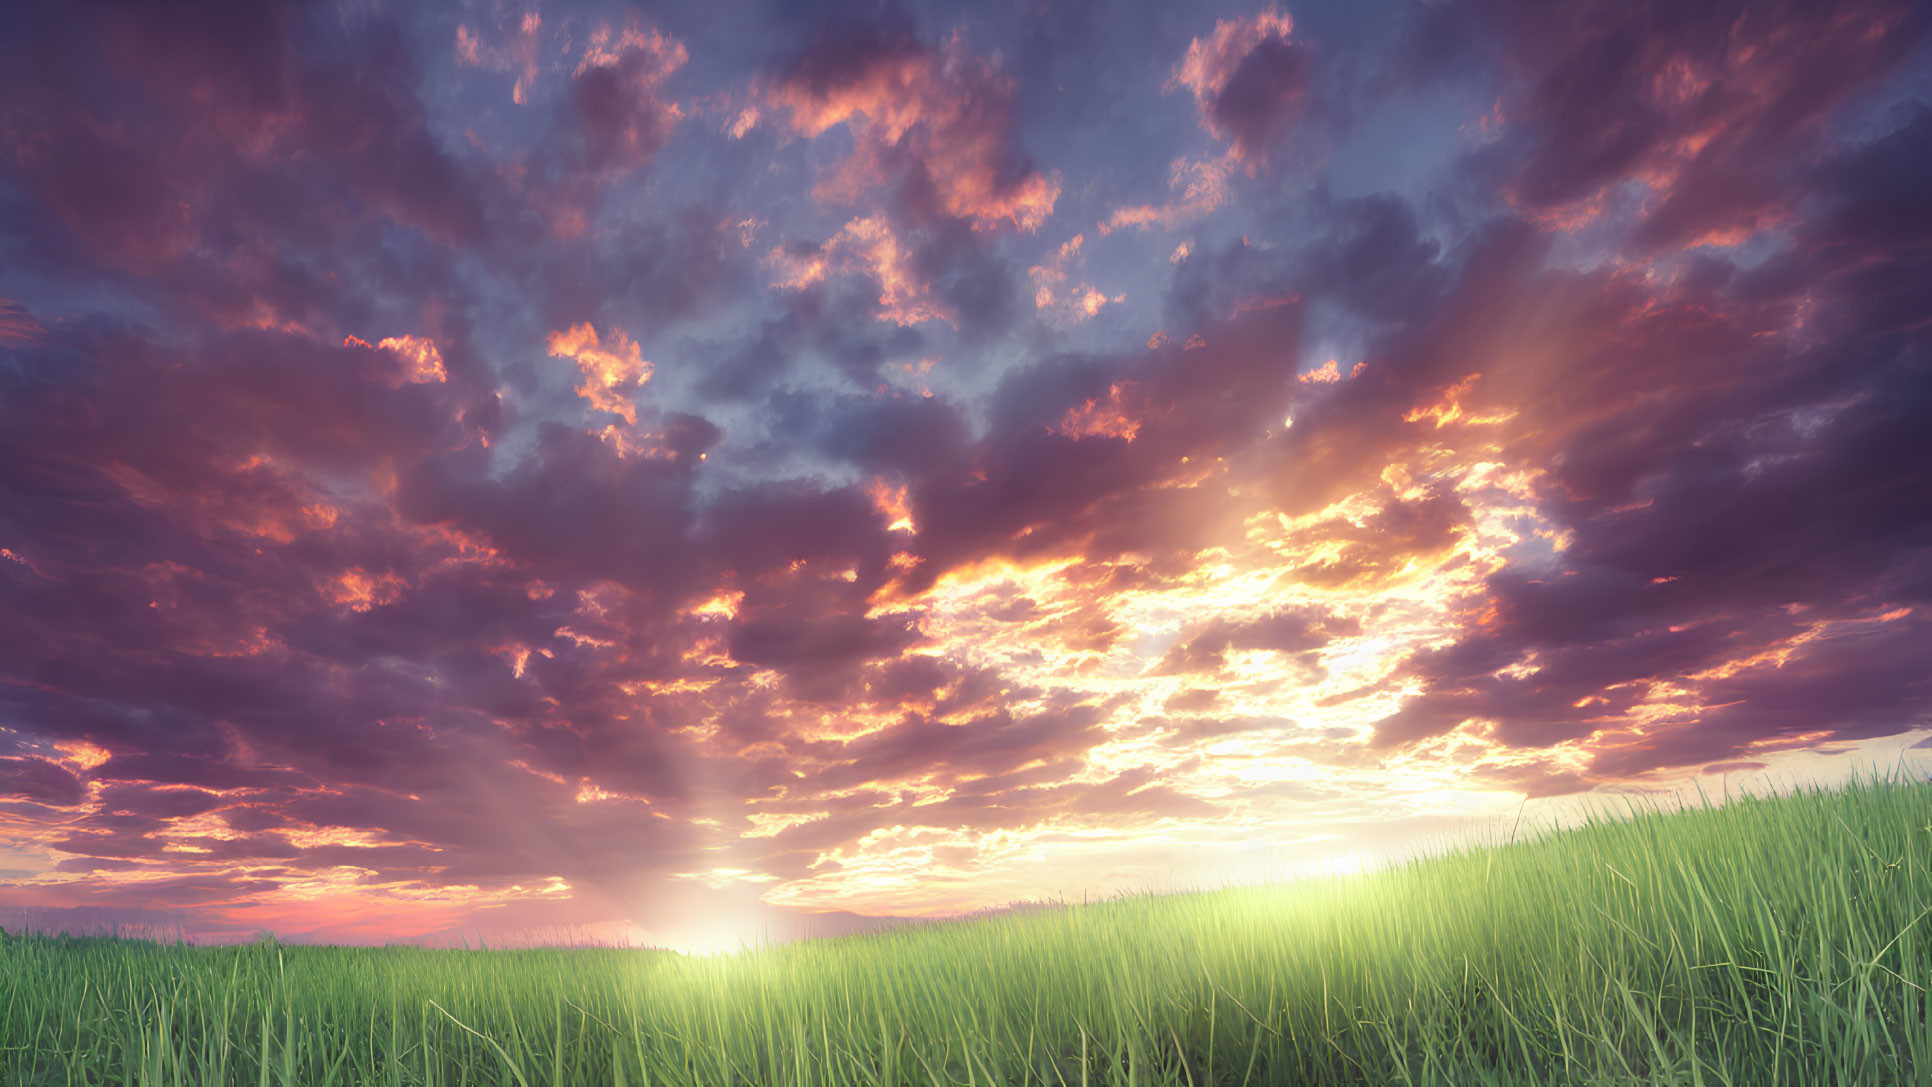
{"x": 948, "y": 110}
{"x": 891, "y": 502}
{"x": 83, "y": 754}
{"x": 611, "y": 373}
{"x": 1112, "y": 416}
{"x": 1451, "y": 409}
{"x": 866, "y": 246}
{"x": 422, "y": 361}
{"x": 359, "y": 590}
{"x": 1326, "y": 374}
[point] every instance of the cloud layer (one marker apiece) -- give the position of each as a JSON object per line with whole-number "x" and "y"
{"x": 560, "y": 468}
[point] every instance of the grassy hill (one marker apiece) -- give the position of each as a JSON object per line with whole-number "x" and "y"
{"x": 1773, "y": 940}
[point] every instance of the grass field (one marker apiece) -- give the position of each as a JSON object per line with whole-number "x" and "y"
{"x": 1773, "y": 940}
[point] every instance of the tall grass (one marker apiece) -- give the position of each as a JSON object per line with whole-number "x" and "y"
{"x": 1772, "y": 940}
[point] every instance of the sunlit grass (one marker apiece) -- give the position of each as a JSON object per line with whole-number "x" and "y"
{"x": 1773, "y": 940}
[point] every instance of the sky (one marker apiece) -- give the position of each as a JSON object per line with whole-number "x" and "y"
{"x": 682, "y": 472}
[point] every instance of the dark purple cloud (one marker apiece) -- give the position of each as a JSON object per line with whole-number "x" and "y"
{"x": 40, "y": 780}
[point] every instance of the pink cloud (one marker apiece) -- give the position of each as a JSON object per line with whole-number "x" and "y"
{"x": 613, "y": 119}
{"x": 945, "y": 113}
{"x": 1197, "y": 188}
{"x": 1056, "y": 289}
{"x": 517, "y": 52}
{"x": 865, "y": 246}
{"x": 615, "y": 87}
{"x": 1248, "y": 79}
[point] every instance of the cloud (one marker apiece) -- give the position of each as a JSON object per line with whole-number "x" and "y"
{"x": 868, "y": 248}
{"x": 231, "y": 162}
{"x": 40, "y": 780}
{"x": 1054, "y": 290}
{"x": 1249, "y": 80}
{"x": 611, "y": 374}
{"x": 1700, "y": 107}
{"x": 517, "y": 52}
{"x": 1198, "y": 186}
{"x": 620, "y": 120}
{"x": 352, "y": 585}
{"x": 1681, "y": 557}
{"x": 921, "y": 117}
{"x": 1288, "y": 630}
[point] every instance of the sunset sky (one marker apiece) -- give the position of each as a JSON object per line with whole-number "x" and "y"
{"x": 668, "y": 471}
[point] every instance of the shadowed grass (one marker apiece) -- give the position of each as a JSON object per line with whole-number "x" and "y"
{"x": 1773, "y": 940}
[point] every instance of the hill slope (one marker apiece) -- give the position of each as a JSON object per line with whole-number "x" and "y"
{"x": 1775, "y": 940}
